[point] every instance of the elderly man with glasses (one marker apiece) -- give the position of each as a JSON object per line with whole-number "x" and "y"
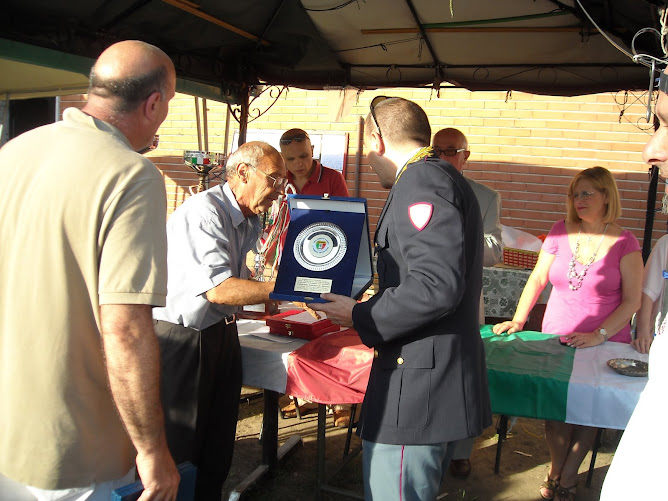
{"x": 208, "y": 238}
{"x": 451, "y": 145}
{"x": 428, "y": 382}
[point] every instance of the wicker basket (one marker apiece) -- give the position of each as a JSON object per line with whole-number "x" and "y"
{"x": 520, "y": 258}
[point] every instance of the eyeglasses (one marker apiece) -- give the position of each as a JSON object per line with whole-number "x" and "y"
{"x": 299, "y": 139}
{"x": 152, "y": 146}
{"x": 279, "y": 183}
{"x": 448, "y": 152}
{"x": 584, "y": 195}
{"x": 372, "y": 106}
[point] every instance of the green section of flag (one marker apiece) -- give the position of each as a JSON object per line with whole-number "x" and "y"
{"x": 528, "y": 374}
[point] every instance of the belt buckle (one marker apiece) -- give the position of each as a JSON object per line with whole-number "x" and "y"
{"x": 230, "y": 319}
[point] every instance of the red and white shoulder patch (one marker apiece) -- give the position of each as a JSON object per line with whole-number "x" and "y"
{"x": 420, "y": 214}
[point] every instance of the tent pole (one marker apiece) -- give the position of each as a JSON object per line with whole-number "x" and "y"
{"x": 227, "y": 131}
{"x": 205, "y": 123}
{"x": 193, "y": 9}
{"x": 199, "y": 127}
{"x": 243, "y": 116}
{"x": 358, "y": 155}
{"x": 423, "y": 33}
{"x": 649, "y": 215}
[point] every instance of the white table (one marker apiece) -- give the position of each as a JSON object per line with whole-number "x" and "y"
{"x": 264, "y": 363}
{"x": 597, "y": 395}
{"x": 264, "y": 356}
{"x": 524, "y": 378}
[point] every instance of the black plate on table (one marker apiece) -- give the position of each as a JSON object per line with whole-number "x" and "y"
{"x": 629, "y": 367}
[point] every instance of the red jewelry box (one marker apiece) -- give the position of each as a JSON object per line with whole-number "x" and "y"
{"x": 282, "y": 325}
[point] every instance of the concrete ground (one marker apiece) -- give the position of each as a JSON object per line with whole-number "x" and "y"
{"x": 524, "y": 463}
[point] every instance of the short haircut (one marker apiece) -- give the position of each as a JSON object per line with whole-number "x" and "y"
{"x": 402, "y": 122}
{"x": 603, "y": 181}
{"x": 129, "y": 92}
{"x": 251, "y": 153}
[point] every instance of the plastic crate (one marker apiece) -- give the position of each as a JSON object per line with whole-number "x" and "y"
{"x": 520, "y": 258}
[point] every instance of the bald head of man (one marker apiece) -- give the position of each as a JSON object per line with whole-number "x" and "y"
{"x": 452, "y": 146}
{"x": 130, "y": 87}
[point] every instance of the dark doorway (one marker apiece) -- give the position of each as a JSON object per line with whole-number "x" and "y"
{"x": 26, "y": 114}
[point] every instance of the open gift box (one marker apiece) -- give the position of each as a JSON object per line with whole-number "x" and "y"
{"x": 301, "y": 324}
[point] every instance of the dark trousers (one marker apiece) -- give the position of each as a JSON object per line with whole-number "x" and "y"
{"x": 200, "y": 391}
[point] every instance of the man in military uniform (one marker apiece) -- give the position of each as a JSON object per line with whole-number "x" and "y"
{"x": 428, "y": 382}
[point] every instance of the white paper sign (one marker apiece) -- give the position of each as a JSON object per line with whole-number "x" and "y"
{"x": 308, "y": 284}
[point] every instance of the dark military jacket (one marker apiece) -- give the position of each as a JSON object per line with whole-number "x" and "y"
{"x": 428, "y": 381}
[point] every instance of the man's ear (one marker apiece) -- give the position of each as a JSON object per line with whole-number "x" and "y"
{"x": 377, "y": 144}
{"x": 242, "y": 170}
{"x": 152, "y": 105}
{"x": 467, "y": 154}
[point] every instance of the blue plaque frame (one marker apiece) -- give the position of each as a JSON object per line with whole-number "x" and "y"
{"x": 351, "y": 276}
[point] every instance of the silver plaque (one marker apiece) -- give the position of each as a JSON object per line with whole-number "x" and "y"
{"x": 320, "y": 246}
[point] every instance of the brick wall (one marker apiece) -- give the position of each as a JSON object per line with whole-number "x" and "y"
{"x": 76, "y": 101}
{"x": 525, "y": 146}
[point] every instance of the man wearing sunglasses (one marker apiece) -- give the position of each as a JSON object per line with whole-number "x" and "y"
{"x": 208, "y": 239}
{"x": 451, "y": 145}
{"x": 428, "y": 382}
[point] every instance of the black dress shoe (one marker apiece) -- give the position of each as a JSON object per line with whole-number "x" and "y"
{"x": 460, "y": 467}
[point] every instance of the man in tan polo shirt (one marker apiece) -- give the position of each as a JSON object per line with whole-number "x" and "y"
{"x": 83, "y": 260}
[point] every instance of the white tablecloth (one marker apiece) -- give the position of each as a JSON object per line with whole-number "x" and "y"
{"x": 264, "y": 356}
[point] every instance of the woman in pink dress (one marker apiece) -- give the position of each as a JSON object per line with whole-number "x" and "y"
{"x": 595, "y": 269}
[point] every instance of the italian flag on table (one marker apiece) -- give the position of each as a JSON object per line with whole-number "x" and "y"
{"x": 531, "y": 375}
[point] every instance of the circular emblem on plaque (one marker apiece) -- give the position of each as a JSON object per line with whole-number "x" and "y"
{"x": 320, "y": 246}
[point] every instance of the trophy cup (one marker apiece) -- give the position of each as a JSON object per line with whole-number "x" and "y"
{"x": 204, "y": 163}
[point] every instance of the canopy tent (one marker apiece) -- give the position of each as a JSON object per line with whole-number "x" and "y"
{"x": 221, "y": 49}
{"x": 537, "y": 46}
{"x": 28, "y": 71}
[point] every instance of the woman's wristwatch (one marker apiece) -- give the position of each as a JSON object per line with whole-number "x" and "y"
{"x": 602, "y": 332}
